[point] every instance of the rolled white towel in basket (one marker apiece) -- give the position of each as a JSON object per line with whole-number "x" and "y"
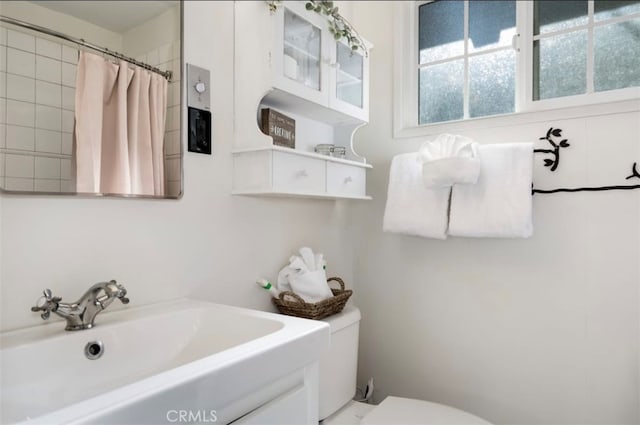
{"x": 311, "y": 286}
{"x": 305, "y": 276}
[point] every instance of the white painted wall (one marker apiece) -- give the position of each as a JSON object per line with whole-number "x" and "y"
{"x": 208, "y": 245}
{"x": 537, "y": 331}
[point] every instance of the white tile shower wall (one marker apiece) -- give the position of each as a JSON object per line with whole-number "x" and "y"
{"x": 38, "y": 88}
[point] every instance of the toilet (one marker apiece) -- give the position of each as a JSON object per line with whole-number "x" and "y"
{"x": 338, "y": 368}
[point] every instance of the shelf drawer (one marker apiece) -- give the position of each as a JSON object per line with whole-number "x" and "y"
{"x": 345, "y": 180}
{"x": 295, "y": 173}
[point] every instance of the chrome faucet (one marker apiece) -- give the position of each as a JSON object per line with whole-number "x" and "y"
{"x": 81, "y": 314}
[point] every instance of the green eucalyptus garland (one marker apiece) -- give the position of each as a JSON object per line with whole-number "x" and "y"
{"x": 338, "y": 25}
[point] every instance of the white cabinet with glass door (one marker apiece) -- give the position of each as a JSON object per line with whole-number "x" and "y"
{"x": 308, "y": 63}
{"x": 349, "y": 81}
{"x": 287, "y": 60}
{"x": 299, "y": 54}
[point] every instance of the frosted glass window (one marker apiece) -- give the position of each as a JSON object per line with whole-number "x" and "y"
{"x": 492, "y": 83}
{"x": 606, "y": 9}
{"x": 466, "y": 71}
{"x": 558, "y": 15}
{"x": 617, "y": 55}
{"x": 301, "y": 51}
{"x": 441, "y": 92}
{"x": 469, "y": 67}
{"x": 491, "y": 24}
{"x": 560, "y": 65}
{"x": 441, "y": 30}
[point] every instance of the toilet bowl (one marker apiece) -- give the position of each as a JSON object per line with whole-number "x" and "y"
{"x": 404, "y": 411}
{"x": 338, "y": 368}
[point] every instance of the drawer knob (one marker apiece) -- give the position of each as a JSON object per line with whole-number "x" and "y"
{"x": 348, "y": 180}
{"x": 302, "y": 173}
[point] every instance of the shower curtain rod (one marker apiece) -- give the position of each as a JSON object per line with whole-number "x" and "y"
{"x": 81, "y": 42}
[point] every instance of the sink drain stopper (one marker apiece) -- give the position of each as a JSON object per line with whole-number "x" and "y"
{"x": 94, "y": 350}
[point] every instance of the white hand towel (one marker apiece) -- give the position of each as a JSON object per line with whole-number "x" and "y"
{"x": 412, "y": 208}
{"x": 449, "y": 160}
{"x": 298, "y": 264}
{"x": 282, "y": 283}
{"x": 307, "y": 256}
{"x": 301, "y": 277}
{"x": 319, "y": 259}
{"x": 499, "y": 204}
{"x": 311, "y": 286}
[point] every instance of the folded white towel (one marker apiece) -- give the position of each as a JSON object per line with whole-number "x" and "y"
{"x": 449, "y": 160}
{"x": 282, "y": 283}
{"x": 311, "y": 286}
{"x": 307, "y": 256}
{"x": 499, "y": 204}
{"x": 301, "y": 276}
{"x": 412, "y": 208}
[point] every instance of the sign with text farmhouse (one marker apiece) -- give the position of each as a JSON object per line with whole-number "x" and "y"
{"x": 280, "y": 127}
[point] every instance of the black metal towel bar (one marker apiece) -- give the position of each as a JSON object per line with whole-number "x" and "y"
{"x": 554, "y": 162}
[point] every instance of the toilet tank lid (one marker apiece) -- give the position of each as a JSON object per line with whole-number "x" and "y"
{"x": 350, "y": 315}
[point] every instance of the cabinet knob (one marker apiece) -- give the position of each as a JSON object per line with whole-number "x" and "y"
{"x": 348, "y": 179}
{"x": 302, "y": 173}
{"x": 331, "y": 63}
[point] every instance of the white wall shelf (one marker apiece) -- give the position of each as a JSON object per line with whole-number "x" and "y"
{"x": 307, "y": 154}
{"x": 311, "y": 195}
{"x": 322, "y": 115}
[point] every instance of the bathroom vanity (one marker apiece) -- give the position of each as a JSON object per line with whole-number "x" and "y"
{"x": 176, "y": 361}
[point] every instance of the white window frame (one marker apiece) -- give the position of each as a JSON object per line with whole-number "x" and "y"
{"x": 405, "y": 83}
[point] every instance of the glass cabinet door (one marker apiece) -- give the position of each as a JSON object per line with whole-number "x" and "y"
{"x": 349, "y": 71}
{"x": 302, "y": 47}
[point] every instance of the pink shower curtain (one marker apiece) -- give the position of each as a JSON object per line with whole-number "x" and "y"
{"x": 120, "y": 121}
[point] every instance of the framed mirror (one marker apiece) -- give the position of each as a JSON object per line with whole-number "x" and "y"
{"x": 90, "y": 98}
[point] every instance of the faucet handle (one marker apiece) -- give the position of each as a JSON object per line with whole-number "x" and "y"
{"x": 122, "y": 291}
{"x": 46, "y": 303}
{"x": 122, "y": 295}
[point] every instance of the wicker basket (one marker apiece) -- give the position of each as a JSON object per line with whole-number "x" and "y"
{"x": 298, "y": 307}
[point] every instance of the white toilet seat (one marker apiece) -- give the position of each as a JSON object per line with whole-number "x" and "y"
{"x": 406, "y": 411}
{"x": 401, "y": 411}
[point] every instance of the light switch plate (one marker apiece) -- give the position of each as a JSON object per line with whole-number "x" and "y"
{"x": 198, "y": 88}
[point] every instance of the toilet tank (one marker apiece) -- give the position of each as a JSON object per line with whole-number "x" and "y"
{"x": 339, "y": 364}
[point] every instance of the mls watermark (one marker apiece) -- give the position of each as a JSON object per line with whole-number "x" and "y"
{"x": 191, "y": 416}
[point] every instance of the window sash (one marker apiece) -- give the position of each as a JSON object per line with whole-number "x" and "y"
{"x": 590, "y": 96}
{"x": 523, "y": 45}
{"x": 466, "y": 56}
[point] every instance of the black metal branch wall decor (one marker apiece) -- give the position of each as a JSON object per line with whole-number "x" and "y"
{"x": 556, "y": 133}
{"x": 553, "y": 163}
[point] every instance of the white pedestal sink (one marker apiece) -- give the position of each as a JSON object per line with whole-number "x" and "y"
{"x": 177, "y": 362}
